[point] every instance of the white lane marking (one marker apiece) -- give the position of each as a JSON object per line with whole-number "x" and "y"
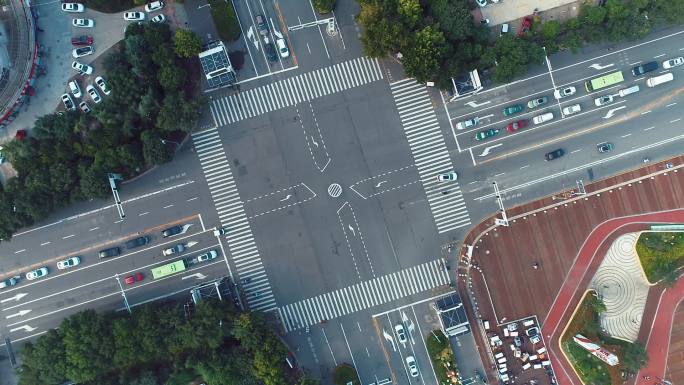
{"x": 635, "y": 63}
{"x": 119, "y": 221}
{"x": 145, "y": 213}
{"x": 16, "y": 297}
{"x": 69, "y": 236}
{"x": 473, "y": 182}
{"x": 20, "y": 313}
{"x": 612, "y": 111}
{"x": 599, "y": 67}
{"x": 646, "y": 112}
{"x": 23, "y": 327}
{"x": 19, "y": 251}
{"x": 649, "y": 128}
{"x": 192, "y": 199}
{"x": 475, "y": 104}
{"x": 486, "y": 151}
{"x": 675, "y": 121}
{"x": 45, "y": 243}
{"x": 671, "y": 104}
{"x": 578, "y": 150}
{"x": 94, "y": 228}
{"x": 499, "y": 174}
{"x": 167, "y": 206}
{"x": 626, "y": 135}
{"x": 661, "y": 55}
{"x": 525, "y": 166}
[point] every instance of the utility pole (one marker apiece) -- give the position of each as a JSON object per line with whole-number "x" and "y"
{"x": 115, "y": 191}
{"x": 503, "y": 221}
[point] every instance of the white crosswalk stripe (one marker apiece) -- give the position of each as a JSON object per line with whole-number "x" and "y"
{"x": 297, "y": 89}
{"x": 231, "y": 214}
{"x": 364, "y": 295}
{"x": 430, "y": 154}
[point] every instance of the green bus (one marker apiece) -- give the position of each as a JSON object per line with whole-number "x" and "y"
{"x": 168, "y": 269}
{"x": 604, "y": 81}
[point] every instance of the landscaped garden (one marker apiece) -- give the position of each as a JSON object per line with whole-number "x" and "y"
{"x": 661, "y": 255}
{"x": 442, "y": 357}
{"x": 591, "y": 370}
{"x": 345, "y": 374}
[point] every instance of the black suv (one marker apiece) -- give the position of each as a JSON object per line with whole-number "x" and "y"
{"x": 172, "y": 231}
{"x": 137, "y": 242}
{"x": 644, "y": 68}
{"x": 270, "y": 50}
{"x": 111, "y": 252}
{"x": 261, "y": 25}
{"x": 555, "y": 154}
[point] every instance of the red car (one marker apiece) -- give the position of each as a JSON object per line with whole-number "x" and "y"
{"x": 82, "y": 40}
{"x": 131, "y": 279}
{"x": 525, "y": 26}
{"x": 512, "y": 127}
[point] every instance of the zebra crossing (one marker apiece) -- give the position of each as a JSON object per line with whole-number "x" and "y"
{"x": 430, "y": 154}
{"x": 229, "y": 206}
{"x": 364, "y": 295}
{"x": 297, "y": 89}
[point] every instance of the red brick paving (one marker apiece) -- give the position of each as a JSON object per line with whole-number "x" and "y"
{"x": 553, "y": 239}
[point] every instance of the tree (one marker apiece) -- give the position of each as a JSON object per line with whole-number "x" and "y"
{"x": 454, "y": 18}
{"x": 512, "y": 56}
{"x": 595, "y": 304}
{"x": 43, "y": 363}
{"x": 381, "y": 35}
{"x": 634, "y": 357}
{"x": 171, "y": 77}
{"x": 186, "y": 43}
{"x": 550, "y": 30}
{"x": 410, "y": 12}
{"x": 88, "y": 345}
{"x": 671, "y": 277}
{"x": 423, "y": 56}
{"x": 324, "y": 6}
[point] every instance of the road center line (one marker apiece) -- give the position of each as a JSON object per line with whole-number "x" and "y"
{"x": 167, "y": 206}
{"x": 145, "y": 213}
{"x": 646, "y": 112}
{"x": 675, "y": 121}
{"x": 94, "y": 228}
{"x": 19, "y": 251}
{"x": 45, "y": 243}
{"x": 649, "y": 128}
{"x": 69, "y": 236}
{"x": 626, "y": 135}
{"x": 574, "y": 151}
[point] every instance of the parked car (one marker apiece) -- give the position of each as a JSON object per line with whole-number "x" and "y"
{"x": 514, "y": 126}
{"x": 447, "y": 176}
{"x": 401, "y": 333}
{"x": 171, "y": 231}
{"x": 102, "y": 85}
{"x": 270, "y": 51}
{"x": 69, "y": 262}
{"x": 481, "y": 3}
{"x": 604, "y": 147}
{"x": 467, "y": 124}
{"x": 540, "y": 101}
{"x": 137, "y": 242}
{"x": 261, "y": 24}
{"x": 674, "y": 62}
{"x": 282, "y": 48}
{"x": 134, "y": 16}
{"x": 38, "y": 273}
{"x": 160, "y": 18}
{"x": 154, "y": 6}
{"x": 93, "y": 94}
{"x": 177, "y": 249}
{"x": 84, "y": 107}
{"x": 645, "y": 68}
{"x": 603, "y": 100}
{"x": 8, "y": 282}
{"x": 533, "y": 333}
{"x": 82, "y": 51}
{"x": 131, "y": 279}
{"x": 73, "y": 7}
{"x": 75, "y": 89}
{"x": 83, "y": 23}
{"x": 82, "y": 68}
{"x": 525, "y": 26}
{"x": 81, "y": 40}
{"x": 564, "y": 92}
{"x": 486, "y": 134}
{"x": 68, "y": 102}
{"x": 569, "y": 110}
{"x": 555, "y": 154}
{"x": 412, "y": 366}
{"x": 211, "y": 254}
{"x": 514, "y": 109}
{"x": 111, "y": 252}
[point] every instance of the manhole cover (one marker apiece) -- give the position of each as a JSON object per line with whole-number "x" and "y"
{"x": 334, "y": 190}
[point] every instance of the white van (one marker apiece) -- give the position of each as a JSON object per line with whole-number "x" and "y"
{"x": 627, "y": 91}
{"x": 486, "y": 325}
{"x": 498, "y": 355}
{"x": 543, "y": 118}
{"x": 526, "y": 366}
{"x": 656, "y": 80}
{"x": 501, "y": 360}
{"x": 546, "y": 363}
{"x": 528, "y": 323}
{"x": 541, "y": 350}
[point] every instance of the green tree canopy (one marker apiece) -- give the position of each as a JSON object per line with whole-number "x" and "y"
{"x": 186, "y": 43}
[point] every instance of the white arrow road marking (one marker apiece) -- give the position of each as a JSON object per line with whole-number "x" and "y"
{"x": 255, "y": 40}
{"x": 191, "y": 244}
{"x": 15, "y": 298}
{"x": 389, "y": 338}
{"x": 380, "y": 184}
{"x": 475, "y": 104}
{"x": 351, "y": 229}
{"x": 20, "y": 314}
{"x": 600, "y": 67}
{"x": 196, "y": 275}
{"x": 489, "y": 149}
{"x": 25, "y": 327}
{"x": 485, "y": 117}
{"x": 313, "y": 140}
{"x": 612, "y": 111}
{"x": 286, "y": 198}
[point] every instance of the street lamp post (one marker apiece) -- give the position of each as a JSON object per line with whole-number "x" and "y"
{"x": 553, "y": 83}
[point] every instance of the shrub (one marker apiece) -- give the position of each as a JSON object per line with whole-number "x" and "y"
{"x": 324, "y": 6}
{"x": 225, "y": 20}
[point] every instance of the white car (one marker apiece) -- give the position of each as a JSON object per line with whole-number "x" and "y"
{"x": 154, "y": 6}
{"x": 67, "y": 263}
{"x": 207, "y": 256}
{"x": 569, "y": 110}
{"x": 467, "y": 124}
{"x": 282, "y": 48}
{"x": 93, "y": 94}
{"x": 38, "y": 273}
{"x": 481, "y": 3}
{"x": 82, "y": 68}
{"x": 73, "y": 7}
{"x": 75, "y": 89}
{"x": 83, "y": 23}
{"x": 102, "y": 85}
{"x": 447, "y": 176}
{"x": 134, "y": 16}
{"x": 160, "y": 18}
{"x": 603, "y": 100}
{"x": 84, "y": 107}
{"x": 564, "y": 92}
{"x": 674, "y": 62}
{"x": 82, "y": 51}
{"x": 411, "y": 365}
{"x": 401, "y": 334}
{"x": 68, "y": 103}
{"x": 179, "y": 248}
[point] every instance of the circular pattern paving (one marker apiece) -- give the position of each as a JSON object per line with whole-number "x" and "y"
{"x": 335, "y": 190}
